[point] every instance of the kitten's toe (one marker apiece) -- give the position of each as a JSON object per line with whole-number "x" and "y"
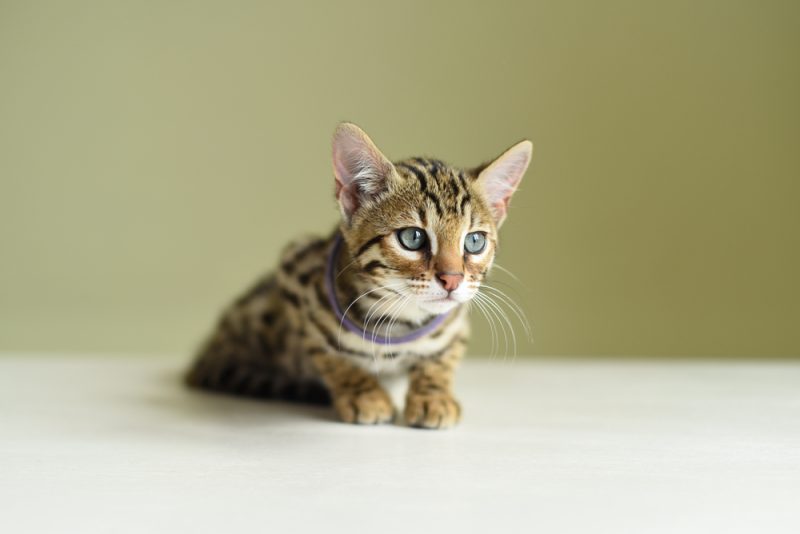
{"x": 368, "y": 408}
{"x": 432, "y": 411}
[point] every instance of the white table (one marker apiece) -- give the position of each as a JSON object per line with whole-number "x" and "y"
{"x": 113, "y": 444}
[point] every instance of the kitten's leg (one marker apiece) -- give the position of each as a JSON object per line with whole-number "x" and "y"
{"x": 357, "y": 395}
{"x": 430, "y": 402}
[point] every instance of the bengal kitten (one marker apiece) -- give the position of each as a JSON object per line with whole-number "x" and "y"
{"x": 385, "y": 293}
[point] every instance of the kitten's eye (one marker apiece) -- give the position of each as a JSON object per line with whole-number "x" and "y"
{"x": 475, "y": 242}
{"x": 412, "y": 238}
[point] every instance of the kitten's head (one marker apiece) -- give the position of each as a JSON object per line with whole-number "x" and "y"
{"x": 421, "y": 228}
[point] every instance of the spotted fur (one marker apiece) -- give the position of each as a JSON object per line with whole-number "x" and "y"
{"x": 282, "y": 339}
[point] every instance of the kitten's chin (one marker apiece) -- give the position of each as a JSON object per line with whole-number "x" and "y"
{"x": 438, "y": 306}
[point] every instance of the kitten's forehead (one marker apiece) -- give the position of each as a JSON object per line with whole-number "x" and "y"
{"x": 435, "y": 177}
{"x": 443, "y": 193}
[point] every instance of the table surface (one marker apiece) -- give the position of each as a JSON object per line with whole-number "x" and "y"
{"x": 114, "y": 444}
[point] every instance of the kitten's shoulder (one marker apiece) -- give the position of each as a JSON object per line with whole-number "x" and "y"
{"x": 308, "y": 249}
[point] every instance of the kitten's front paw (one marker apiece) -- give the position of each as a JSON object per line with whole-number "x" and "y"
{"x": 438, "y": 410}
{"x": 368, "y": 408}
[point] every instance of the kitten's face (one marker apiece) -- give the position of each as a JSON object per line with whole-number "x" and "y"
{"x": 436, "y": 245}
{"x": 418, "y": 227}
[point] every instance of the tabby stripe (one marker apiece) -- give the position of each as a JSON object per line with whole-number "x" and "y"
{"x": 356, "y": 381}
{"x": 363, "y": 389}
{"x": 422, "y": 216}
{"x": 433, "y": 357}
{"x": 291, "y": 297}
{"x": 373, "y": 266}
{"x": 435, "y": 202}
{"x": 322, "y": 298}
{"x": 363, "y": 248}
{"x": 331, "y": 340}
{"x": 443, "y": 328}
{"x": 260, "y": 288}
{"x": 350, "y": 297}
{"x": 268, "y": 318}
{"x": 454, "y": 187}
{"x": 313, "y": 351}
{"x": 422, "y": 161}
{"x": 431, "y": 165}
{"x": 429, "y": 388}
{"x": 305, "y": 277}
{"x": 464, "y": 202}
{"x": 289, "y": 265}
{"x": 462, "y": 180}
{"x": 423, "y": 183}
{"x": 308, "y": 249}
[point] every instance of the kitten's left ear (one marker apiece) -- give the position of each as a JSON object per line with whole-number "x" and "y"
{"x": 501, "y": 177}
{"x": 361, "y": 170}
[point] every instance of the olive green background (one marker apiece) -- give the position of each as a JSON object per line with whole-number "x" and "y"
{"x": 154, "y": 156}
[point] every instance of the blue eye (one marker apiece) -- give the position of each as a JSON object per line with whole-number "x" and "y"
{"x": 475, "y": 242}
{"x": 412, "y": 238}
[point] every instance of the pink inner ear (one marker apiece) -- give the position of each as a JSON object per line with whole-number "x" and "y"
{"x": 500, "y": 207}
{"x": 348, "y": 149}
{"x": 503, "y": 175}
{"x": 360, "y": 168}
{"x": 346, "y": 196}
{"x": 500, "y": 187}
{"x": 345, "y": 159}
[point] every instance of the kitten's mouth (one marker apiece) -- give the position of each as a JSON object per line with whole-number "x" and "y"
{"x": 448, "y": 298}
{"x": 439, "y": 305}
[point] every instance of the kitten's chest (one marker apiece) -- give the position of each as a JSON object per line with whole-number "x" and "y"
{"x": 391, "y": 362}
{"x": 393, "y": 358}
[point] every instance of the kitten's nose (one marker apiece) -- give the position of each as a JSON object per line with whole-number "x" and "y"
{"x": 449, "y": 281}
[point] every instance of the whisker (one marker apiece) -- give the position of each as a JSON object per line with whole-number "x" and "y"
{"x": 511, "y": 287}
{"x": 345, "y": 268}
{"x": 492, "y": 307}
{"x": 509, "y": 273}
{"x": 344, "y": 314}
{"x": 504, "y": 316}
{"x": 516, "y": 308}
{"x": 397, "y": 316}
{"x": 394, "y": 314}
{"x": 374, "y": 329}
{"x": 495, "y": 343}
{"x": 499, "y": 327}
{"x": 478, "y": 307}
{"x": 387, "y": 314}
{"x": 370, "y": 312}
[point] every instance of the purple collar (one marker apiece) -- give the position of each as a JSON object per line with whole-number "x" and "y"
{"x": 330, "y": 279}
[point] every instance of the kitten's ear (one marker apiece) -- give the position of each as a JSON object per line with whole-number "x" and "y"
{"x": 361, "y": 171}
{"x": 501, "y": 177}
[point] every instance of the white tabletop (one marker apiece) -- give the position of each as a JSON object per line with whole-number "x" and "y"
{"x": 94, "y": 444}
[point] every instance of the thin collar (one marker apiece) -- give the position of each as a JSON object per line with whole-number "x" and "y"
{"x": 330, "y": 280}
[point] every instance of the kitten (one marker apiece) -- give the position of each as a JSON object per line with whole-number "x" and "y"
{"x": 385, "y": 292}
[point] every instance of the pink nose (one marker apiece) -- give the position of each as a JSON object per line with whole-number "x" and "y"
{"x": 450, "y": 281}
